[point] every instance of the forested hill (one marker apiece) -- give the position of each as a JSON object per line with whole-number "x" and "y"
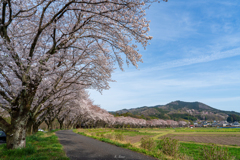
{"x": 177, "y": 110}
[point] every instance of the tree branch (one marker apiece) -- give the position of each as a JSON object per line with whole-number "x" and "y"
{"x": 4, "y": 125}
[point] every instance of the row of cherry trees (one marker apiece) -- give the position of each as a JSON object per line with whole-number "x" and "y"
{"x": 86, "y": 114}
{"x": 81, "y": 112}
{"x": 51, "y": 50}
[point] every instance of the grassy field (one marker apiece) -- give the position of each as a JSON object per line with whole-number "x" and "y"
{"x": 41, "y": 146}
{"x": 192, "y": 150}
{"x": 192, "y": 142}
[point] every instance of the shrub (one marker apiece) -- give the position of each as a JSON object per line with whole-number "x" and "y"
{"x": 102, "y": 135}
{"x": 169, "y": 146}
{"x": 214, "y": 152}
{"x": 97, "y": 134}
{"x": 109, "y": 136}
{"x": 148, "y": 143}
{"x": 119, "y": 136}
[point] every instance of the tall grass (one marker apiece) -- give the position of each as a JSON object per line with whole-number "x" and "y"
{"x": 169, "y": 146}
{"x": 214, "y": 152}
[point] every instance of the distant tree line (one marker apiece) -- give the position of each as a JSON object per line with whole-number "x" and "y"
{"x": 233, "y": 118}
{"x": 175, "y": 116}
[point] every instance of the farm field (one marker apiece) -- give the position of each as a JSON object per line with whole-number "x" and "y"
{"x": 191, "y": 141}
{"x": 222, "y": 139}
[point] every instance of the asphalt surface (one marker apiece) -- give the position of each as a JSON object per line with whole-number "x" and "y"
{"x": 78, "y": 147}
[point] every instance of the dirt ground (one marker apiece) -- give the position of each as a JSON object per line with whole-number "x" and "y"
{"x": 223, "y": 139}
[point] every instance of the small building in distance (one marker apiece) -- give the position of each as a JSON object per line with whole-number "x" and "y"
{"x": 236, "y": 124}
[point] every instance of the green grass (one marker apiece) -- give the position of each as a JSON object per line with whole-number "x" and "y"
{"x": 193, "y": 150}
{"x": 40, "y": 146}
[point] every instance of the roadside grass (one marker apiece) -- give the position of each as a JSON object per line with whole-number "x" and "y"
{"x": 40, "y": 146}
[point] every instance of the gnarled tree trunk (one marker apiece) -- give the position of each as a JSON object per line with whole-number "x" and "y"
{"x": 16, "y": 134}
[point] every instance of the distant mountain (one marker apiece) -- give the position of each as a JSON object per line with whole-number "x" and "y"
{"x": 177, "y": 110}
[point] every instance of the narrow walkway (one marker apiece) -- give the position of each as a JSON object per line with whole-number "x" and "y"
{"x": 78, "y": 147}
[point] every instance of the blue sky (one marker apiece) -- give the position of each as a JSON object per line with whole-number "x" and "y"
{"x": 194, "y": 56}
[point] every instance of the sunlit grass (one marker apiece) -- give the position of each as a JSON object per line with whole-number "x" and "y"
{"x": 40, "y": 146}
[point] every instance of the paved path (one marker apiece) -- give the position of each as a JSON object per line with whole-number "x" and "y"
{"x": 78, "y": 147}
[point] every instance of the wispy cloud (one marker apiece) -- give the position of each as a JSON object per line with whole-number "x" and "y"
{"x": 201, "y": 59}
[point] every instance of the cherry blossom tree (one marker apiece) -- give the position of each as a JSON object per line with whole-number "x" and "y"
{"x": 51, "y": 108}
{"x": 62, "y": 115}
{"x": 182, "y": 124}
{"x": 75, "y": 111}
{"x": 172, "y": 123}
{"x": 40, "y": 118}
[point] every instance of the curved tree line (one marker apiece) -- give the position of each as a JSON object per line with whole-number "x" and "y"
{"x": 87, "y": 115}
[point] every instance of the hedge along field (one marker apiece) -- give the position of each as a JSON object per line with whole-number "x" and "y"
{"x": 40, "y": 146}
{"x": 184, "y": 150}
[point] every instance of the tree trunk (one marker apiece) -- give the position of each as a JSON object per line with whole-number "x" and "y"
{"x": 35, "y": 128}
{"x": 60, "y": 123}
{"x": 29, "y": 127}
{"x": 16, "y": 136}
{"x": 50, "y": 126}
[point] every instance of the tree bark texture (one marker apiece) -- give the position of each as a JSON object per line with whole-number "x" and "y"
{"x": 16, "y": 134}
